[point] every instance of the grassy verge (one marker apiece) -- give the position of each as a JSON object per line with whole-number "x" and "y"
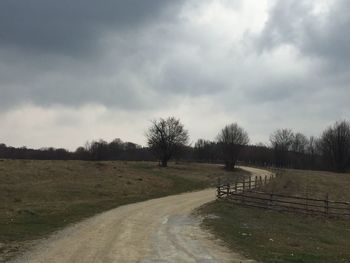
{"x": 270, "y": 236}
{"x": 39, "y": 197}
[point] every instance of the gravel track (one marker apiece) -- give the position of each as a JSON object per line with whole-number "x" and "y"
{"x": 158, "y": 230}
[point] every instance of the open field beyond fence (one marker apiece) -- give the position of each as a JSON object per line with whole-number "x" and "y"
{"x": 270, "y": 236}
{"x": 250, "y": 192}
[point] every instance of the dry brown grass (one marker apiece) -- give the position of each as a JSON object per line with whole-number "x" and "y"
{"x": 312, "y": 184}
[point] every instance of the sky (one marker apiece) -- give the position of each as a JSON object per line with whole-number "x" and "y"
{"x": 82, "y": 70}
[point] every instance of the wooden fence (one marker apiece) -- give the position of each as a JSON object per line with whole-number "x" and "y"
{"x": 246, "y": 184}
{"x": 249, "y": 192}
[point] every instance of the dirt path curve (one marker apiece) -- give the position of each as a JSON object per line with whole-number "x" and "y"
{"x": 158, "y": 230}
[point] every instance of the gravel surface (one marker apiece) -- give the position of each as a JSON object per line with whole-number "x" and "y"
{"x": 158, "y": 230}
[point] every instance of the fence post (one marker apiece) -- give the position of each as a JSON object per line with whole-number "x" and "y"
{"x": 219, "y": 188}
{"x": 228, "y": 190}
{"x": 326, "y": 206}
{"x": 271, "y": 201}
{"x": 265, "y": 180}
{"x": 260, "y": 181}
{"x": 250, "y": 183}
{"x": 243, "y": 185}
{"x": 255, "y": 183}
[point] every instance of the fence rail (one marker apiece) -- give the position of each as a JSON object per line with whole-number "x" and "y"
{"x": 249, "y": 192}
{"x": 246, "y": 184}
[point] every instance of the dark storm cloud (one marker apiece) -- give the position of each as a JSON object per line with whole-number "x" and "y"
{"x": 140, "y": 55}
{"x": 56, "y": 52}
{"x": 323, "y": 36}
{"x": 71, "y": 27}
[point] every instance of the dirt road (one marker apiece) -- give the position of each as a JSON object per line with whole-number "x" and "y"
{"x": 158, "y": 230}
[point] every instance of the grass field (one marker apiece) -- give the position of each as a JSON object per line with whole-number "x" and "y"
{"x": 313, "y": 184}
{"x": 39, "y": 197}
{"x": 270, "y": 236}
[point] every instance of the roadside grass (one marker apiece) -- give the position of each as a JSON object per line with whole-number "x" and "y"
{"x": 271, "y": 236}
{"x": 39, "y": 197}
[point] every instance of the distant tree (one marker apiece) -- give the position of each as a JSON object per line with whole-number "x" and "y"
{"x": 115, "y": 148}
{"x": 206, "y": 151}
{"x": 165, "y": 138}
{"x": 232, "y": 139}
{"x": 282, "y": 141}
{"x": 130, "y": 146}
{"x": 260, "y": 144}
{"x": 201, "y": 143}
{"x": 258, "y": 154}
{"x": 82, "y": 154}
{"x": 298, "y": 157}
{"x": 61, "y": 154}
{"x": 3, "y": 150}
{"x": 98, "y": 150}
{"x": 312, "y": 146}
{"x": 312, "y": 151}
{"x": 300, "y": 143}
{"x": 202, "y": 150}
{"x": 335, "y": 145}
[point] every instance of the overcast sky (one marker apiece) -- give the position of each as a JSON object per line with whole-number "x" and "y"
{"x": 73, "y": 71}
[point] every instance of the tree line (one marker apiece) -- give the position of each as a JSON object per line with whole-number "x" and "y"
{"x": 168, "y": 139}
{"x": 329, "y": 151}
{"x": 92, "y": 151}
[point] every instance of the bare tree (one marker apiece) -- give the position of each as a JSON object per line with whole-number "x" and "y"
{"x": 231, "y": 139}
{"x": 282, "y": 141}
{"x": 312, "y": 150}
{"x": 312, "y": 146}
{"x": 335, "y": 145}
{"x": 206, "y": 151}
{"x": 300, "y": 143}
{"x": 202, "y": 150}
{"x": 166, "y": 137}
